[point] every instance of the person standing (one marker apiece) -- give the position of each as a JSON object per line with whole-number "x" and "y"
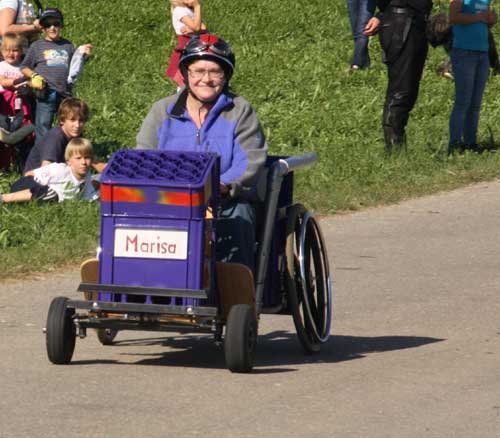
{"x": 360, "y": 11}
{"x": 401, "y": 25}
{"x": 47, "y": 64}
{"x": 470, "y": 20}
{"x": 187, "y": 22}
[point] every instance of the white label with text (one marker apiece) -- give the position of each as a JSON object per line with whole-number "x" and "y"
{"x": 151, "y": 244}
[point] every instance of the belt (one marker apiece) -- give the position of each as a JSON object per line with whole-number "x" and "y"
{"x": 396, "y": 10}
{"x": 408, "y": 11}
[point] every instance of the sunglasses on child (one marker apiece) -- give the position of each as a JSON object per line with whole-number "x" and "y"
{"x": 49, "y": 23}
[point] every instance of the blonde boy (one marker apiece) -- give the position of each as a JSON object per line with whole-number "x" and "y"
{"x": 58, "y": 181}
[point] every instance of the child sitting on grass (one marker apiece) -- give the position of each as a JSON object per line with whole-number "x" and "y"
{"x": 73, "y": 114}
{"x": 186, "y": 19}
{"x": 58, "y": 181}
{"x": 47, "y": 63}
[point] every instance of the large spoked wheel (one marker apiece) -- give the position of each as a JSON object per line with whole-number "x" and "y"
{"x": 60, "y": 334}
{"x": 241, "y": 338}
{"x": 307, "y": 279}
{"x": 106, "y": 336}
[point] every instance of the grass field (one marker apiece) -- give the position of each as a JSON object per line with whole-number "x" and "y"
{"x": 292, "y": 64}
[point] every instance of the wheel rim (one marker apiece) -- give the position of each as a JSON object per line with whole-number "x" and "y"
{"x": 315, "y": 279}
{"x": 293, "y": 283}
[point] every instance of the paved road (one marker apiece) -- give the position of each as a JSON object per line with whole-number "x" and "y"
{"x": 415, "y": 350}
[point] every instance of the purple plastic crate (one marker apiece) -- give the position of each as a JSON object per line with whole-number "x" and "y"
{"x": 153, "y": 222}
{"x": 157, "y": 183}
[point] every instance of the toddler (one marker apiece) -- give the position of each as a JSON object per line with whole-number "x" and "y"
{"x": 15, "y": 104}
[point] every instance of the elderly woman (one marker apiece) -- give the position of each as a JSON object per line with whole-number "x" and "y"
{"x": 18, "y": 16}
{"x": 205, "y": 116}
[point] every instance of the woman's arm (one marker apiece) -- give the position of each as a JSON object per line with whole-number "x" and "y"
{"x": 8, "y": 23}
{"x": 249, "y": 150}
{"x": 147, "y": 138}
{"x": 459, "y": 17}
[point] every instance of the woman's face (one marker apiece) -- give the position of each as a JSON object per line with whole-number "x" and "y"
{"x": 206, "y": 80}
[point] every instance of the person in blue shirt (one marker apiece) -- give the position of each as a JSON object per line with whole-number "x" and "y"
{"x": 470, "y": 20}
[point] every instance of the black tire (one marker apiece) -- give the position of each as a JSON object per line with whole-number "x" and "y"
{"x": 241, "y": 338}
{"x": 293, "y": 284}
{"x": 315, "y": 278}
{"x": 60, "y": 333}
{"x": 106, "y": 336}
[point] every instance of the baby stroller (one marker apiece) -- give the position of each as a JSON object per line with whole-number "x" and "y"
{"x": 16, "y": 127}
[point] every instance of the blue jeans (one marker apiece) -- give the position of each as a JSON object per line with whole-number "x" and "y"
{"x": 236, "y": 233}
{"x": 360, "y": 11}
{"x": 470, "y": 68}
{"x": 45, "y": 113}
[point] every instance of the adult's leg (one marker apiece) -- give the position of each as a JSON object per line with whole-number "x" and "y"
{"x": 366, "y": 11}
{"x": 236, "y": 234}
{"x": 464, "y": 71}
{"x": 472, "y": 115}
{"x": 360, "y": 11}
{"x": 403, "y": 84}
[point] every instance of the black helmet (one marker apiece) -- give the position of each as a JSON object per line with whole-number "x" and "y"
{"x": 51, "y": 13}
{"x": 210, "y": 47}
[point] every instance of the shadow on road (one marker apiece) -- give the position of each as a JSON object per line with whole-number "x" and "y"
{"x": 276, "y": 351}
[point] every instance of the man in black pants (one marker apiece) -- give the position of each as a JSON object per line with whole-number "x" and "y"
{"x": 401, "y": 25}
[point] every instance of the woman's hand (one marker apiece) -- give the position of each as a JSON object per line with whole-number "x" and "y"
{"x": 372, "y": 26}
{"x": 224, "y": 189}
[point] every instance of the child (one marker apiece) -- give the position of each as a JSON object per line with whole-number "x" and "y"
{"x": 58, "y": 181}
{"x": 47, "y": 64}
{"x": 186, "y": 19}
{"x": 15, "y": 104}
{"x": 73, "y": 114}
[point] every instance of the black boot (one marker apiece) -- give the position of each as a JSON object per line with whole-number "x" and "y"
{"x": 394, "y": 142}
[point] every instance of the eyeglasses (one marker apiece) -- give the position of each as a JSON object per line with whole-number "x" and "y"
{"x": 49, "y": 24}
{"x": 197, "y": 73}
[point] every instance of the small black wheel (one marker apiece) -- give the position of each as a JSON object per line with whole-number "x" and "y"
{"x": 293, "y": 284}
{"x": 60, "y": 333}
{"x": 106, "y": 336}
{"x": 241, "y": 338}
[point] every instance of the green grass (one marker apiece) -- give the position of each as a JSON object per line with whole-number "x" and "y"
{"x": 292, "y": 64}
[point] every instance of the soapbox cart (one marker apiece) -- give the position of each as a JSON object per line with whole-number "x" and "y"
{"x": 156, "y": 267}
